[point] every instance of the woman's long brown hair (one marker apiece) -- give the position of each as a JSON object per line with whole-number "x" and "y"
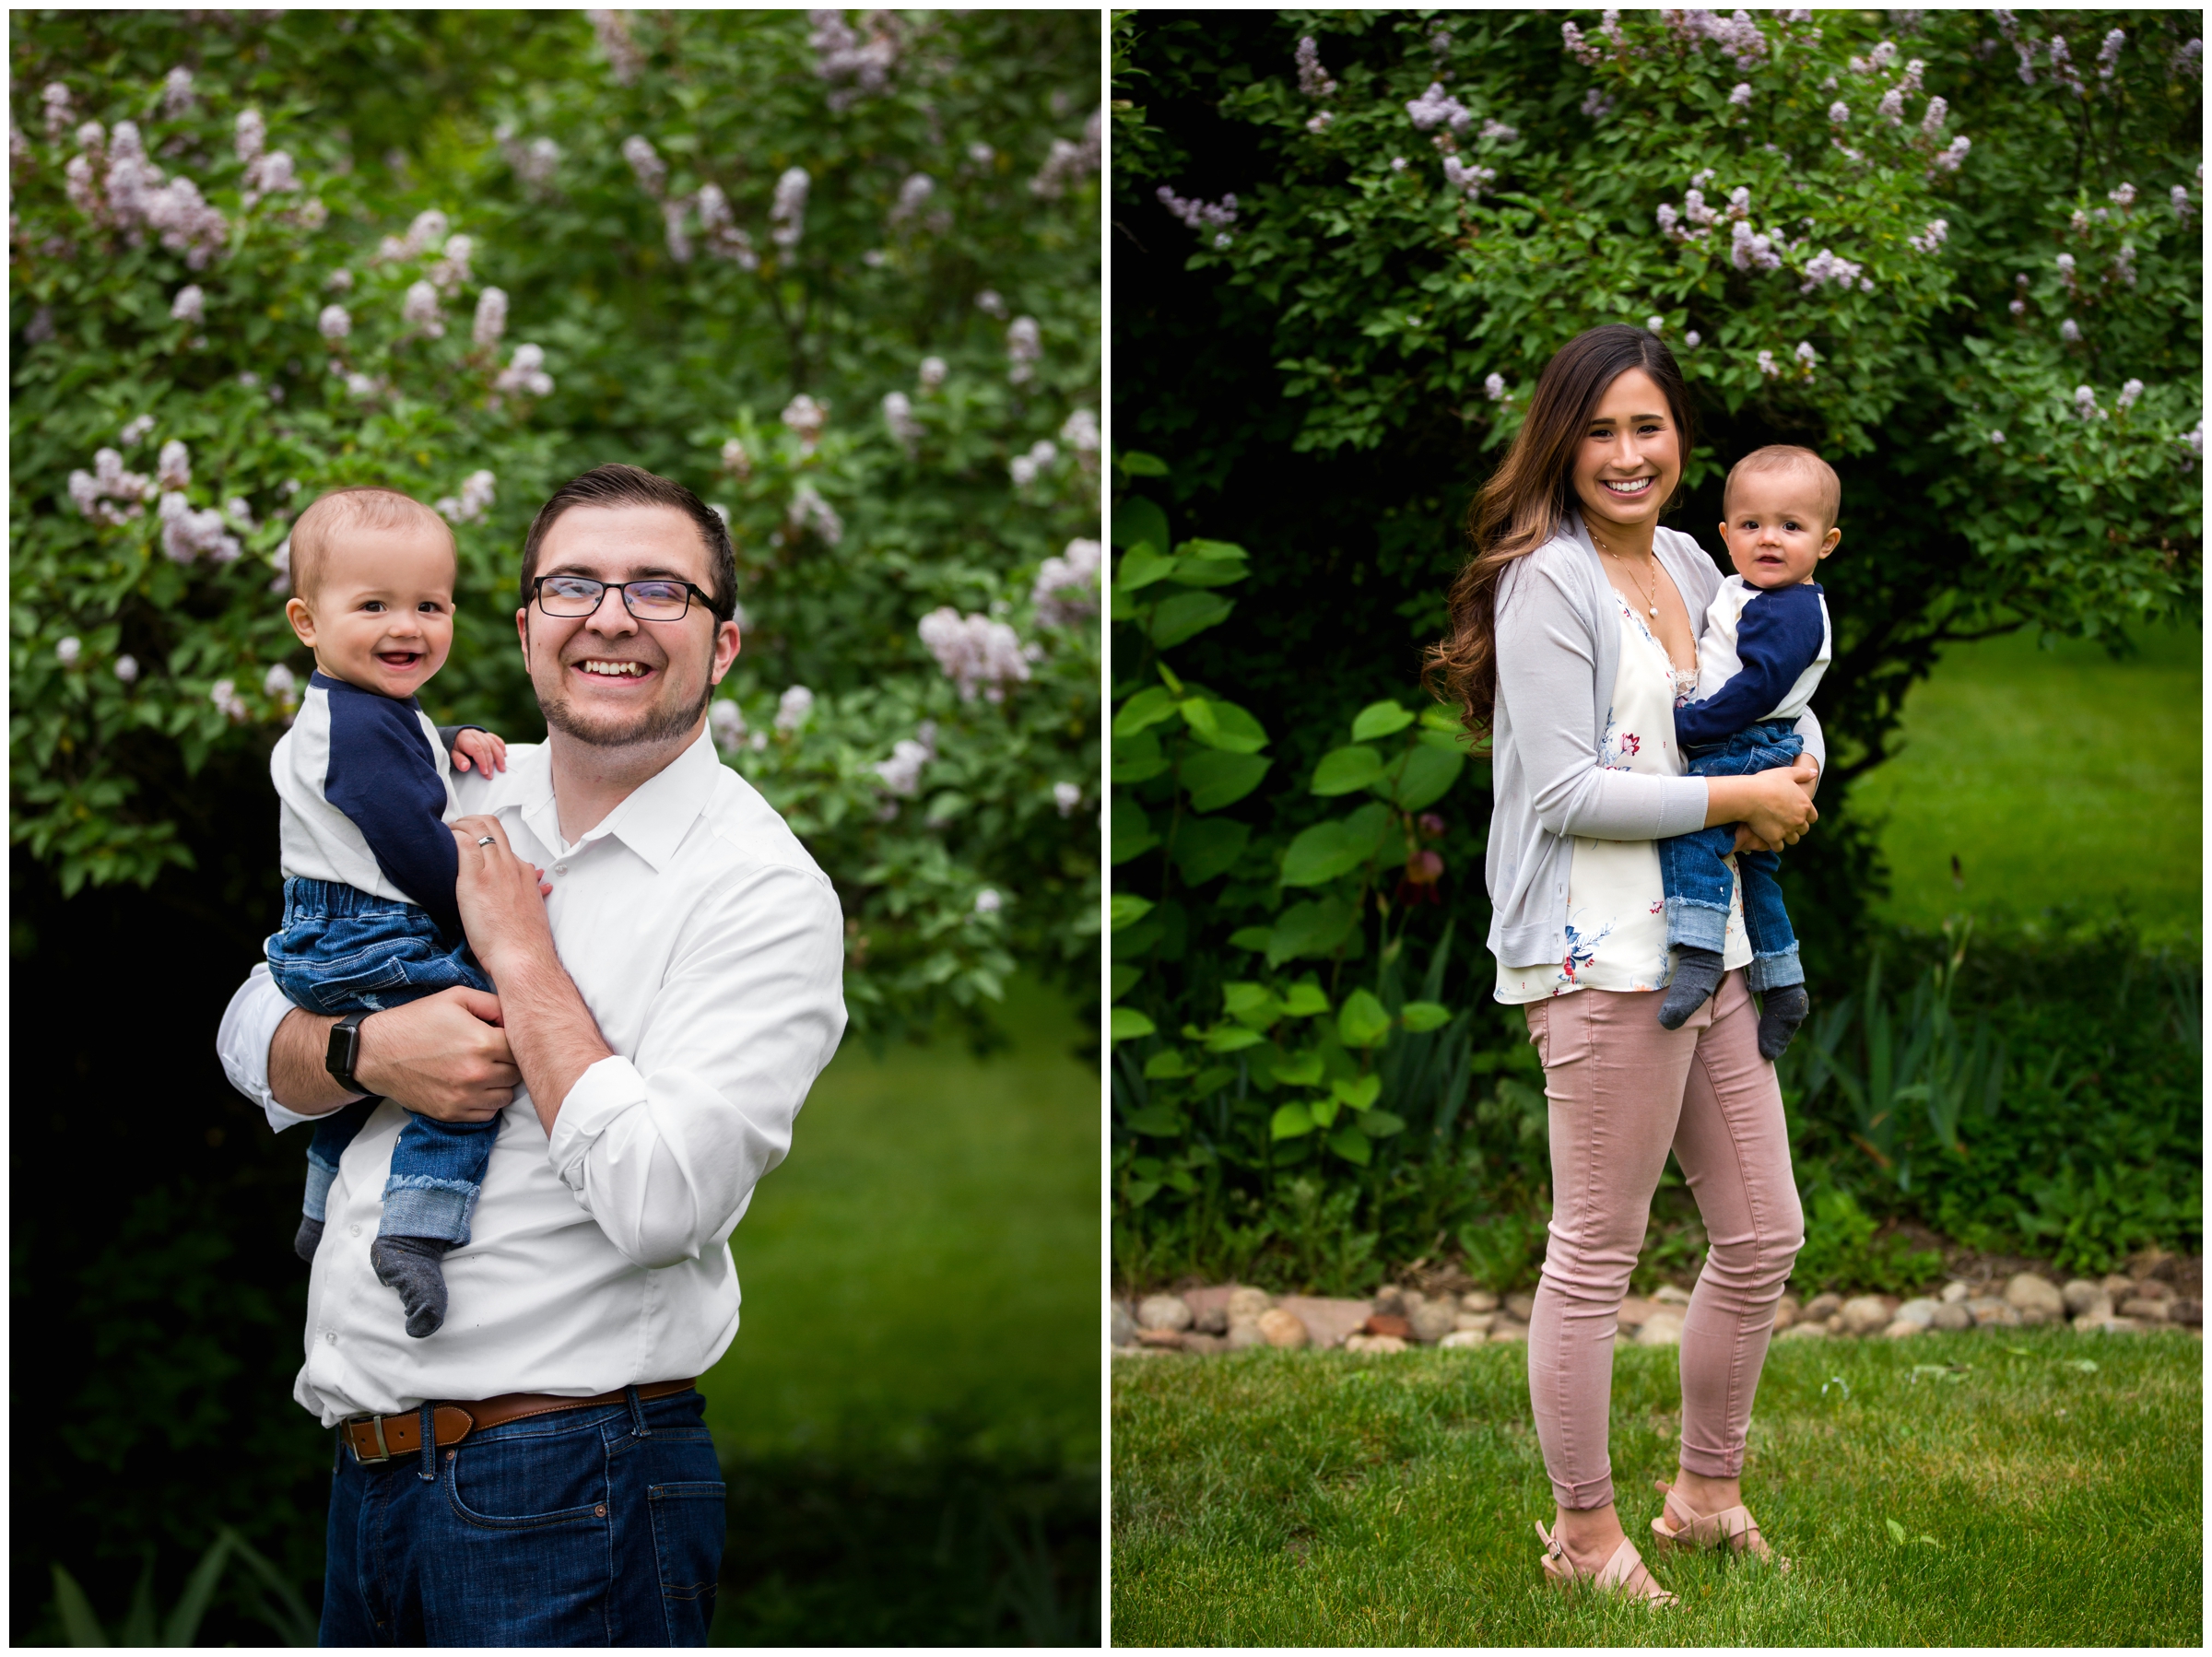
{"x": 1523, "y": 504}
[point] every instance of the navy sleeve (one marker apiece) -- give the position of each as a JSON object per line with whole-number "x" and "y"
{"x": 383, "y": 777}
{"x": 1776, "y": 640}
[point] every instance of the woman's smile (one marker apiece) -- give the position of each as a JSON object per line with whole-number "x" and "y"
{"x": 1628, "y": 487}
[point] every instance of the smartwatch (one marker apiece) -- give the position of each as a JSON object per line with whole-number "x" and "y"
{"x": 344, "y": 1052}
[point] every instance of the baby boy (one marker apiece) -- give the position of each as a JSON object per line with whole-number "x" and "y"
{"x": 369, "y": 915}
{"x": 1765, "y": 644}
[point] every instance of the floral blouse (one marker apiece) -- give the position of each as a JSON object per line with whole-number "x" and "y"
{"x": 1615, "y": 901}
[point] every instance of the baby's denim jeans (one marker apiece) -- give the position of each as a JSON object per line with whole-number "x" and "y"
{"x": 1697, "y": 881}
{"x": 344, "y": 950}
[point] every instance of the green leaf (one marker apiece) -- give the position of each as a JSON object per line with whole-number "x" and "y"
{"x": 1206, "y": 847}
{"x": 1314, "y": 928}
{"x": 1304, "y": 1070}
{"x": 77, "y": 1620}
{"x": 1131, "y": 831}
{"x": 1425, "y": 776}
{"x": 1215, "y": 779}
{"x": 1186, "y": 615}
{"x": 1347, "y": 770}
{"x": 1137, "y": 519}
{"x": 1251, "y": 938}
{"x": 1231, "y": 1038}
{"x": 1209, "y": 564}
{"x": 1148, "y": 707}
{"x": 1359, "y": 1092}
{"x": 1380, "y": 1125}
{"x": 1324, "y": 1111}
{"x": 1126, "y": 909}
{"x": 1380, "y": 719}
{"x": 1418, "y": 1015}
{"x": 1361, "y": 1022}
{"x": 1437, "y": 717}
{"x": 1350, "y": 1143}
{"x": 1210, "y": 1080}
{"x": 184, "y": 1624}
{"x": 1250, "y": 1004}
{"x": 1123, "y": 980}
{"x": 1141, "y": 566}
{"x": 1328, "y": 850}
{"x": 1138, "y": 759}
{"x": 1290, "y": 1121}
{"x": 1163, "y": 1121}
{"x": 1142, "y": 1192}
{"x": 1137, "y": 463}
{"x": 1304, "y": 999}
{"x": 1223, "y": 725}
{"x": 1128, "y": 1024}
{"x": 1897, "y": 1532}
{"x": 1166, "y": 1066}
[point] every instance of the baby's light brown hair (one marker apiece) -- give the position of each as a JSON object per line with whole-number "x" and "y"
{"x": 1789, "y": 457}
{"x": 357, "y": 506}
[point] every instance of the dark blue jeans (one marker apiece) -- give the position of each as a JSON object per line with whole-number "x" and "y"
{"x": 590, "y": 1527}
{"x": 1697, "y": 882}
{"x": 344, "y": 950}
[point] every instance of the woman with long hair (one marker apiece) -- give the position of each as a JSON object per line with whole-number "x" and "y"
{"x": 1574, "y": 631}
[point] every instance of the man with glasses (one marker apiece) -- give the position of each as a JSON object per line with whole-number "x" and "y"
{"x": 668, "y": 961}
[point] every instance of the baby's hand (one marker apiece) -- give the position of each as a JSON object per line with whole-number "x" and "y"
{"x": 488, "y": 751}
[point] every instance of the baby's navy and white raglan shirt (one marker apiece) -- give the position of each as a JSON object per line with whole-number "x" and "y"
{"x": 1761, "y": 659}
{"x": 367, "y": 791}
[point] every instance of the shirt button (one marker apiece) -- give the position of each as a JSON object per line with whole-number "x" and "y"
{"x": 331, "y": 1335}
{"x": 560, "y": 868}
{"x": 357, "y": 1231}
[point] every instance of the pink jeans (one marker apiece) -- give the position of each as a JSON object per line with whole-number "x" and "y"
{"x": 1623, "y": 1091}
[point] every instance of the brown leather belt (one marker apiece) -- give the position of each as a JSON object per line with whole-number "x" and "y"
{"x": 380, "y": 1438}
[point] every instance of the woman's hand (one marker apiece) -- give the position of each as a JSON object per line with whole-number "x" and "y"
{"x": 1773, "y": 808}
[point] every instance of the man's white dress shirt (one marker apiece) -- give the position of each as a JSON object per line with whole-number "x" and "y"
{"x": 710, "y": 950}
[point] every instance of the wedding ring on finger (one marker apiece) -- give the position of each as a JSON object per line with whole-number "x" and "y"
{"x": 483, "y": 839}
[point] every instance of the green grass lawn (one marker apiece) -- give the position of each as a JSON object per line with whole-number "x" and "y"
{"x": 925, "y": 1263}
{"x": 1284, "y": 1499}
{"x": 2058, "y": 778}
{"x": 909, "y": 1415}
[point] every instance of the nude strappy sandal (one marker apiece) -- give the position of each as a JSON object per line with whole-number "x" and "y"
{"x": 1623, "y": 1573}
{"x": 1677, "y": 1527}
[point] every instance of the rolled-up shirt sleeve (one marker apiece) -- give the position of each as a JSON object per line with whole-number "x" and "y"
{"x": 1547, "y": 668}
{"x": 249, "y": 1022}
{"x": 664, "y": 1148}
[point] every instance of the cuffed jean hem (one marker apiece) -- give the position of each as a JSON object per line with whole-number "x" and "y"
{"x": 1776, "y": 971}
{"x": 417, "y": 1205}
{"x": 1694, "y": 925}
{"x": 317, "y": 1196}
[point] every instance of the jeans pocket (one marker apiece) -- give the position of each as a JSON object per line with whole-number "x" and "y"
{"x": 530, "y": 1482}
{"x": 1560, "y": 1028}
{"x": 691, "y": 1522}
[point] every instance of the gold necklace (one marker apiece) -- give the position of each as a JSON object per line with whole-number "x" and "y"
{"x": 1648, "y": 588}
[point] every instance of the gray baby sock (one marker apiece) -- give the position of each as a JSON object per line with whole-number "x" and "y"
{"x": 308, "y": 1239}
{"x": 1697, "y": 976}
{"x": 1781, "y": 1012}
{"x": 414, "y": 1268}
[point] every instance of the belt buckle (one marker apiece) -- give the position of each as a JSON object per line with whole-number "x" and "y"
{"x": 352, "y": 1443}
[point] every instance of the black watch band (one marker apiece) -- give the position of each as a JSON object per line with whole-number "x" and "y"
{"x": 344, "y": 1052}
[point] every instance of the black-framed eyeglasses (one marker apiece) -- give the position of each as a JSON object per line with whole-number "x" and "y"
{"x": 655, "y": 600}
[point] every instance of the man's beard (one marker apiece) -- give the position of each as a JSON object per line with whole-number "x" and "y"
{"x": 657, "y": 724}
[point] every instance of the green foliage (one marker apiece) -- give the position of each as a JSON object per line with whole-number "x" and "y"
{"x": 869, "y": 335}
{"x": 1840, "y": 1252}
{"x": 277, "y": 1602}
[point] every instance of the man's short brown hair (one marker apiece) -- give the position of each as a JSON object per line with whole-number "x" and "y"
{"x": 357, "y": 506}
{"x": 618, "y": 485}
{"x": 1790, "y": 457}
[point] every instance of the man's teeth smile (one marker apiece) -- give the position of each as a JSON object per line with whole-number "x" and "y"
{"x": 622, "y": 670}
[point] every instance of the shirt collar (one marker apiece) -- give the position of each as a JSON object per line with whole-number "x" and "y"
{"x": 652, "y": 822}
